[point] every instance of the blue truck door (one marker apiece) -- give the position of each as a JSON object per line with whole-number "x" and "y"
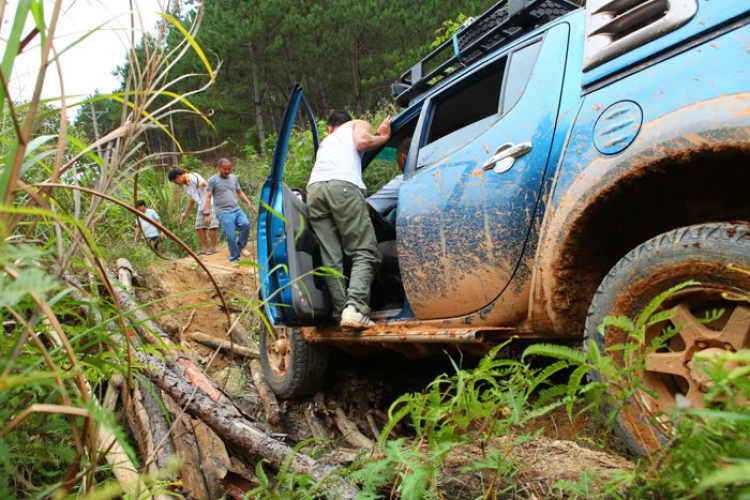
{"x": 279, "y": 261}
{"x": 474, "y": 178}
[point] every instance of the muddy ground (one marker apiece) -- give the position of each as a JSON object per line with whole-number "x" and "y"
{"x": 562, "y": 451}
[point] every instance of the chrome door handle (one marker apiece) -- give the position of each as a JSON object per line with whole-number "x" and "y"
{"x": 505, "y": 156}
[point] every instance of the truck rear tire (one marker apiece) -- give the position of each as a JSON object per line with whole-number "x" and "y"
{"x": 293, "y": 367}
{"x": 701, "y": 253}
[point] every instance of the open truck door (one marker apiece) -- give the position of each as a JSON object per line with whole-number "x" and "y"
{"x": 287, "y": 247}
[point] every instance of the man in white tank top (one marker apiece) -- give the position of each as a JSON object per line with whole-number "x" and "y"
{"x": 339, "y": 217}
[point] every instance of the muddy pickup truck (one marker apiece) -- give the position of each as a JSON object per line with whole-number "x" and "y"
{"x": 566, "y": 164}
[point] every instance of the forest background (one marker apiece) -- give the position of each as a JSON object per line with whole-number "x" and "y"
{"x": 344, "y": 54}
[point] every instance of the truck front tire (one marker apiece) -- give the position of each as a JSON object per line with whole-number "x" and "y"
{"x": 702, "y": 253}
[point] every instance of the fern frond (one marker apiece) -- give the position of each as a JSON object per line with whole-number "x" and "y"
{"x": 541, "y": 411}
{"x": 622, "y": 322}
{"x": 659, "y": 300}
{"x": 557, "y": 352}
{"x": 392, "y": 421}
{"x": 660, "y": 316}
{"x": 574, "y": 385}
{"x": 551, "y": 393}
{"x": 545, "y": 374}
{"x": 489, "y": 358}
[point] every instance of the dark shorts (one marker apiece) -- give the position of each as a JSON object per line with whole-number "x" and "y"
{"x": 155, "y": 242}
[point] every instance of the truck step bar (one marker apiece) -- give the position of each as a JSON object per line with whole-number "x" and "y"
{"x": 400, "y": 333}
{"x": 501, "y": 24}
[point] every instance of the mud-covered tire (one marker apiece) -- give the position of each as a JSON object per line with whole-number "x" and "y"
{"x": 700, "y": 253}
{"x": 302, "y": 373}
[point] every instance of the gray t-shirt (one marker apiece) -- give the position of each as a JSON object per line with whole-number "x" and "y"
{"x": 224, "y": 193}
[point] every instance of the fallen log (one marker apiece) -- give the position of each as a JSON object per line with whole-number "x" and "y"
{"x": 200, "y": 476}
{"x": 213, "y": 456}
{"x": 350, "y": 432}
{"x": 224, "y": 345}
{"x": 149, "y": 330}
{"x": 201, "y": 398}
{"x": 220, "y": 413}
{"x": 122, "y": 468}
{"x": 142, "y": 430}
{"x": 163, "y": 449}
{"x": 267, "y": 397}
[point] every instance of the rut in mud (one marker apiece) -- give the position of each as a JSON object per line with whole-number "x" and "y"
{"x": 362, "y": 387}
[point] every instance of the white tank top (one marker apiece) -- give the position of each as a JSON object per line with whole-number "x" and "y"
{"x": 338, "y": 158}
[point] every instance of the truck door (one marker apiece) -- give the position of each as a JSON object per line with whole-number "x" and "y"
{"x": 474, "y": 177}
{"x": 286, "y": 245}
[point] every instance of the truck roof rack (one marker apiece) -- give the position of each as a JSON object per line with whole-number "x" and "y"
{"x": 501, "y": 24}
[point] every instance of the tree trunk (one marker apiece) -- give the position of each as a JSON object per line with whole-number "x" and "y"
{"x": 257, "y": 101}
{"x": 356, "y": 84}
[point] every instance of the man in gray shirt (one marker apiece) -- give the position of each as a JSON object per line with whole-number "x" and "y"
{"x": 223, "y": 189}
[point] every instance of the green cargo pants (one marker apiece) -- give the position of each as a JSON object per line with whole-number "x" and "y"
{"x": 339, "y": 217}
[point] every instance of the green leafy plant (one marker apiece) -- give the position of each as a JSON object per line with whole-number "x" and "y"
{"x": 472, "y": 407}
{"x": 708, "y": 448}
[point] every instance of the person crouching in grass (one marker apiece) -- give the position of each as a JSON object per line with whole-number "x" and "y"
{"x": 149, "y": 231}
{"x": 196, "y": 188}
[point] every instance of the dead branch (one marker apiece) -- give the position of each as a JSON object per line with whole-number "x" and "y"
{"x": 239, "y": 334}
{"x": 365, "y": 408}
{"x": 267, "y": 397}
{"x": 350, "y": 432}
{"x": 320, "y": 408}
{"x": 346, "y": 456}
{"x": 373, "y": 426}
{"x": 238, "y": 481}
{"x": 110, "y": 396}
{"x": 187, "y": 325}
{"x": 316, "y": 427}
{"x": 224, "y": 345}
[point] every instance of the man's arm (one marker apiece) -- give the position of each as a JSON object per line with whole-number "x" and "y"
{"x": 242, "y": 196}
{"x": 156, "y": 218}
{"x": 207, "y": 209}
{"x": 365, "y": 141}
{"x": 137, "y": 230}
{"x": 183, "y": 215}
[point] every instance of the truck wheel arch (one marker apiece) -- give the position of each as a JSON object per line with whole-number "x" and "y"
{"x": 682, "y": 169}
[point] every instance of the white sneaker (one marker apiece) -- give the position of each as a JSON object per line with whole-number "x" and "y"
{"x": 352, "y": 319}
{"x": 246, "y": 252}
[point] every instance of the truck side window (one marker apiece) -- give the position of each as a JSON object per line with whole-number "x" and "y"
{"x": 471, "y": 107}
{"x": 519, "y": 73}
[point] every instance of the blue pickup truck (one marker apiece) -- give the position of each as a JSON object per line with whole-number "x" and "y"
{"x": 566, "y": 164}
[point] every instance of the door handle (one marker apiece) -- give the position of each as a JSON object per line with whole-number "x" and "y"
{"x": 505, "y": 156}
